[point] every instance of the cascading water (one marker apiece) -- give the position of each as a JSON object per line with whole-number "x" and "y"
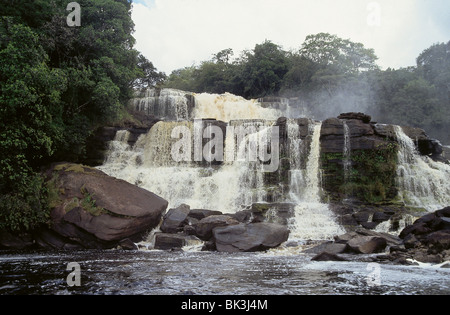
{"x": 347, "y": 152}
{"x": 422, "y": 182}
{"x": 313, "y": 219}
{"x": 170, "y": 104}
{"x": 227, "y": 107}
{"x": 238, "y": 181}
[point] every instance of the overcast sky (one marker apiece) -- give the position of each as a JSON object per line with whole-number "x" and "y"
{"x": 177, "y": 33}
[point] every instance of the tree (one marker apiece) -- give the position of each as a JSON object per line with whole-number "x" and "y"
{"x": 433, "y": 64}
{"x": 29, "y": 124}
{"x": 342, "y": 55}
{"x": 264, "y": 69}
{"x": 150, "y": 77}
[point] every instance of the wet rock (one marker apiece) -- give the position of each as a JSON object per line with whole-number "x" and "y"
{"x": 174, "y": 219}
{"x": 202, "y": 213}
{"x": 15, "y": 241}
{"x": 95, "y": 210}
{"x": 428, "y": 239}
{"x": 166, "y": 241}
{"x": 357, "y": 116}
{"x": 367, "y": 244}
{"x": 325, "y": 256}
{"x": 204, "y": 228}
{"x": 328, "y": 247}
{"x": 250, "y": 237}
{"x": 127, "y": 244}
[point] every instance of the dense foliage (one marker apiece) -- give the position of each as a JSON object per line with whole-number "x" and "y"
{"x": 329, "y": 75}
{"x": 57, "y": 84}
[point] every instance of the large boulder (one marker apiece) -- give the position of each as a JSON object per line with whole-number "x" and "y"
{"x": 174, "y": 219}
{"x": 250, "y": 237}
{"x": 204, "y": 228}
{"x": 94, "y": 210}
{"x": 367, "y": 244}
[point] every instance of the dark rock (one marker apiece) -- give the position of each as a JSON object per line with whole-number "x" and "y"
{"x": 369, "y": 225}
{"x": 391, "y": 240}
{"x": 443, "y": 213}
{"x": 410, "y": 241}
{"x": 250, "y": 237}
{"x": 202, "y": 213}
{"x": 204, "y": 228}
{"x": 358, "y": 116}
{"x": 174, "y": 219}
{"x": 166, "y": 241}
{"x": 332, "y": 127}
{"x": 325, "y": 256}
{"x": 95, "y": 210}
{"x": 367, "y": 244}
{"x": 425, "y": 145}
{"x": 128, "y": 244}
{"x": 328, "y": 247}
{"x": 380, "y": 216}
{"x": 361, "y": 216}
{"x": 15, "y": 241}
{"x": 209, "y": 246}
{"x": 428, "y": 239}
{"x": 189, "y": 230}
{"x": 358, "y": 128}
{"x": 246, "y": 216}
{"x": 439, "y": 240}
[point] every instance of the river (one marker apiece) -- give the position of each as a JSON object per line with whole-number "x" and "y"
{"x": 277, "y": 272}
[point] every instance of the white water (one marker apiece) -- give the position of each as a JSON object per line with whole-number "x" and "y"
{"x": 237, "y": 183}
{"x": 168, "y": 103}
{"x": 347, "y": 152}
{"x": 227, "y": 107}
{"x": 422, "y": 182}
{"x": 313, "y": 219}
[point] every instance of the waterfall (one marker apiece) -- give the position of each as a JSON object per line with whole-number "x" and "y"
{"x": 240, "y": 179}
{"x": 313, "y": 219}
{"x": 227, "y": 107}
{"x": 170, "y": 104}
{"x": 347, "y": 152}
{"x": 421, "y": 181}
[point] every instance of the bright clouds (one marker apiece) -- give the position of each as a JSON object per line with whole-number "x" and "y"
{"x": 177, "y": 33}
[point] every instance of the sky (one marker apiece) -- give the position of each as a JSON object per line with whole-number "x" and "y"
{"x": 174, "y": 34}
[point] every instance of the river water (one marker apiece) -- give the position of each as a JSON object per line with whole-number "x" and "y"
{"x": 277, "y": 272}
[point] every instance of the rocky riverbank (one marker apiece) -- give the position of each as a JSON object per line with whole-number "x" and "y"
{"x": 240, "y": 232}
{"x": 425, "y": 241}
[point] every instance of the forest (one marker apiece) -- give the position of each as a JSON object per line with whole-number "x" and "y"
{"x": 60, "y": 83}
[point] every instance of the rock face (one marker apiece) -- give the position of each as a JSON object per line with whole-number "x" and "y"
{"x": 93, "y": 210}
{"x": 250, "y": 237}
{"x": 359, "y": 157}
